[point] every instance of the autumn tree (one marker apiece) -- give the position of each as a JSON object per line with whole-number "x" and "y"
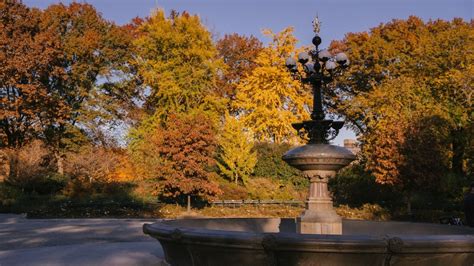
{"x": 239, "y": 53}
{"x": 92, "y": 49}
{"x": 401, "y": 145}
{"x": 437, "y": 54}
{"x": 237, "y": 157}
{"x": 58, "y": 72}
{"x": 178, "y": 155}
{"x": 176, "y": 60}
{"x": 26, "y": 55}
{"x": 425, "y": 168}
{"x": 268, "y": 99}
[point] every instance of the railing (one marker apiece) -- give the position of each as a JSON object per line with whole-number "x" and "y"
{"x": 238, "y": 203}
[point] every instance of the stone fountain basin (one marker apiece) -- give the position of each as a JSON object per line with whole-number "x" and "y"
{"x": 273, "y": 241}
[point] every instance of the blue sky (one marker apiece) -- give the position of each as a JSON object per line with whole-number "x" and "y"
{"x": 250, "y": 17}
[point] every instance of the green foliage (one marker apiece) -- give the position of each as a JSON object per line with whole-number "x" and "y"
{"x": 268, "y": 188}
{"x": 237, "y": 158}
{"x": 371, "y": 212}
{"x": 9, "y": 198}
{"x": 354, "y": 186}
{"x": 270, "y": 165}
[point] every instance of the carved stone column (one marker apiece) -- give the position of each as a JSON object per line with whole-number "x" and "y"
{"x": 319, "y": 162}
{"x": 319, "y": 216}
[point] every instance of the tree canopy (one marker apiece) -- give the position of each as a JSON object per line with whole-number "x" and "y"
{"x": 239, "y": 53}
{"x": 269, "y": 99}
{"x": 51, "y": 62}
{"x": 177, "y": 61}
{"x": 195, "y": 107}
{"x": 408, "y": 94}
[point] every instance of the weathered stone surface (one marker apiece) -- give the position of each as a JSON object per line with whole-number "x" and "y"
{"x": 319, "y": 162}
{"x": 275, "y": 242}
{"x": 317, "y": 227}
{"x": 319, "y": 157}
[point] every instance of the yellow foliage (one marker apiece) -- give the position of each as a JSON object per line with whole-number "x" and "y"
{"x": 389, "y": 110}
{"x": 266, "y": 188}
{"x": 402, "y": 74}
{"x": 177, "y": 61}
{"x": 269, "y": 99}
{"x": 237, "y": 158}
{"x": 124, "y": 171}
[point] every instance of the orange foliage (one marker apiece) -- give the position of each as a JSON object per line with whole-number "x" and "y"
{"x": 25, "y": 60}
{"x": 239, "y": 54}
{"x": 407, "y": 93}
{"x": 124, "y": 172}
{"x": 50, "y": 62}
{"x": 178, "y": 155}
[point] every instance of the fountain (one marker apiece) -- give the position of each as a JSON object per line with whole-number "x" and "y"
{"x": 318, "y": 160}
{"x": 319, "y": 236}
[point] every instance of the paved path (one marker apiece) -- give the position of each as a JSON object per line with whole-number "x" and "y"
{"x": 76, "y": 242}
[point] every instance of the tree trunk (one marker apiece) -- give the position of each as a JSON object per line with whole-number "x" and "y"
{"x": 458, "y": 147}
{"x": 408, "y": 202}
{"x": 59, "y": 162}
{"x": 189, "y": 203}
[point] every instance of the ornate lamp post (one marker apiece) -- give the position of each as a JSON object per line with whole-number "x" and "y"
{"x": 318, "y": 160}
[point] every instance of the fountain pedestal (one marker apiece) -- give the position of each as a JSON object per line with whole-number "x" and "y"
{"x": 319, "y": 162}
{"x": 319, "y": 216}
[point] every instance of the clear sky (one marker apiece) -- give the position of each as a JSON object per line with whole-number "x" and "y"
{"x": 249, "y": 17}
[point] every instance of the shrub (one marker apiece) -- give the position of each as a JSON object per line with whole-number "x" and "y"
{"x": 266, "y": 188}
{"x": 355, "y": 187}
{"x": 8, "y": 197}
{"x": 270, "y": 165}
{"x": 95, "y": 171}
{"x": 232, "y": 191}
{"x": 366, "y": 212}
{"x": 31, "y": 168}
{"x": 95, "y": 164}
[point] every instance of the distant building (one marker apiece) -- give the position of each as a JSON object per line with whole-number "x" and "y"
{"x": 352, "y": 145}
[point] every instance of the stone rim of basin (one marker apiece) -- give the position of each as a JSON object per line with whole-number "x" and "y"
{"x": 172, "y": 231}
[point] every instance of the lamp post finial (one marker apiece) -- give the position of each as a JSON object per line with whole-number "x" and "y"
{"x": 316, "y": 25}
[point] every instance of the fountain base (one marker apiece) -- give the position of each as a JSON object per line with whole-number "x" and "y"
{"x": 309, "y": 226}
{"x": 275, "y": 242}
{"x": 319, "y": 163}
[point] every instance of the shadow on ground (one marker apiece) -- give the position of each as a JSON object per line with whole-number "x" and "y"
{"x": 76, "y": 242}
